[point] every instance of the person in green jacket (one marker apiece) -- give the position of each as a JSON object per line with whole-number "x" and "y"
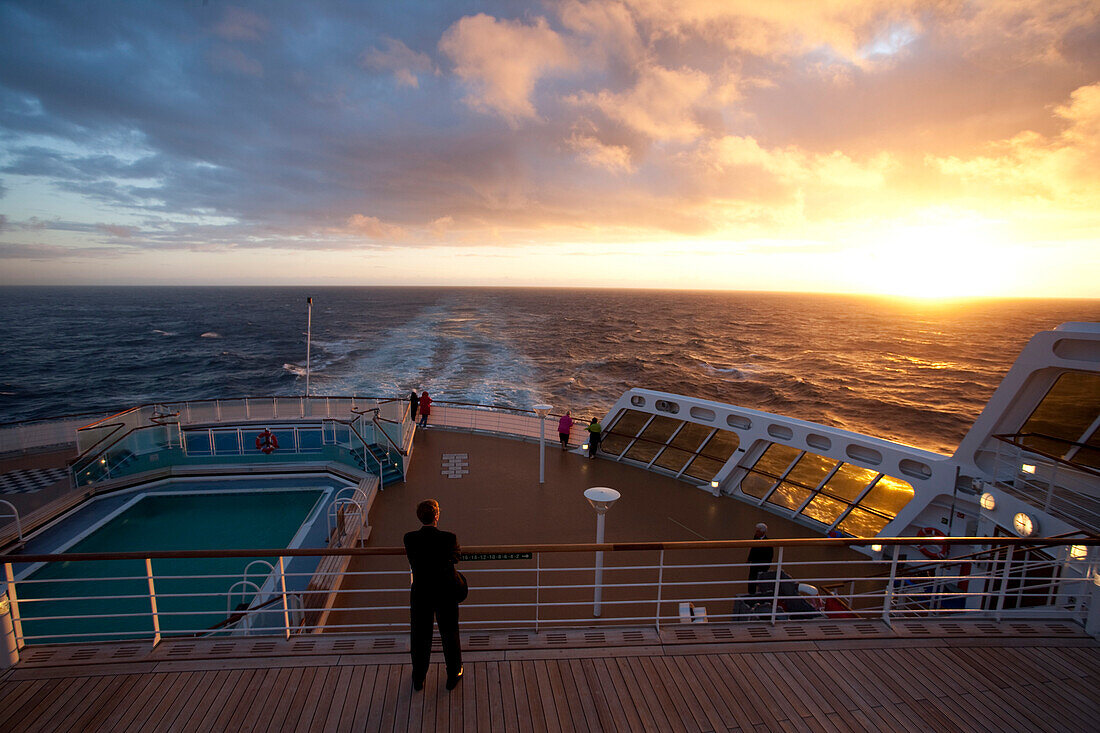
{"x": 594, "y": 429}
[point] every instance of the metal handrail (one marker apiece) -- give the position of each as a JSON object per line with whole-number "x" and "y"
{"x": 1009, "y": 438}
{"x": 1091, "y": 541}
{"x": 1007, "y": 585}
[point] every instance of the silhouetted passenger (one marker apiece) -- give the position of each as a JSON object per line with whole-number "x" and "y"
{"x": 414, "y": 404}
{"x": 435, "y": 594}
{"x": 760, "y": 558}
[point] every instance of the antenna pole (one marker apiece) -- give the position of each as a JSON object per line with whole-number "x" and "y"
{"x": 309, "y": 337}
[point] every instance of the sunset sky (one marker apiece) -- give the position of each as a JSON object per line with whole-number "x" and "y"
{"x": 915, "y": 148}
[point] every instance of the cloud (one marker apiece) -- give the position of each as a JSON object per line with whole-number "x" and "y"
{"x": 225, "y": 58}
{"x": 405, "y": 63}
{"x": 117, "y": 230}
{"x": 1059, "y": 169}
{"x": 373, "y": 228}
{"x": 237, "y": 24}
{"x": 662, "y": 104}
{"x": 49, "y": 252}
{"x": 614, "y": 158}
{"x": 502, "y": 60}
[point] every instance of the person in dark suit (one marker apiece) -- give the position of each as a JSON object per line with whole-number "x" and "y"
{"x": 432, "y": 556}
{"x": 760, "y": 558}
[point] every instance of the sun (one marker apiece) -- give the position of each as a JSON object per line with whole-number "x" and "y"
{"x": 960, "y": 259}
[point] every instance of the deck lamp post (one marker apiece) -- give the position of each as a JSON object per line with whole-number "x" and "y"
{"x": 542, "y": 411}
{"x": 601, "y": 498}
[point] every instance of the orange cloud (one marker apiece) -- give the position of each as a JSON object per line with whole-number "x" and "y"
{"x": 502, "y": 60}
{"x": 373, "y": 228}
{"x": 661, "y": 105}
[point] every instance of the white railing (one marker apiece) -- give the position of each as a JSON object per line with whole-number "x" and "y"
{"x": 500, "y": 420}
{"x": 1056, "y": 487}
{"x": 553, "y": 586}
{"x": 40, "y": 434}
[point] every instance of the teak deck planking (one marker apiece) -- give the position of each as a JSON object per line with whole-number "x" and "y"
{"x": 946, "y": 684}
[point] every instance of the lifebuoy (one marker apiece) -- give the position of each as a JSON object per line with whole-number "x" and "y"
{"x": 933, "y": 552}
{"x": 266, "y": 442}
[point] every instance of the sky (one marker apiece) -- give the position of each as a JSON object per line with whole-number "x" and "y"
{"x": 924, "y": 148}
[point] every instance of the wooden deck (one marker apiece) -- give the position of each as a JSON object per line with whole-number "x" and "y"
{"x": 967, "y": 683}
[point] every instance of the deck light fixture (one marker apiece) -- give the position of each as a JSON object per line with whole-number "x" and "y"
{"x": 714, "y": 484}
{"x": 542, "y": 411}
{"x": 1027, "y": 468}
{"x": 876, "y": 548}
{"x": 1078, "y": 552}
{"x": 988, "y": 501}
{"x": 601, "y": 498}
{"x": 1024, "y": 524}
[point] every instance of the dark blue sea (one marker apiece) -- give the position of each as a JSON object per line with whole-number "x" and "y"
{"x": 910, "y": 371}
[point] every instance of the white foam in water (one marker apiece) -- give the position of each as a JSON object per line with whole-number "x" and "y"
{"x": 165, "y": 333}
{"x": 211, "y": 335}
{"x": 478, "y": 368}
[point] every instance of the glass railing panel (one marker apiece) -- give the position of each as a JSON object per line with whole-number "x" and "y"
{"x": 289, "y": 408}
{"x": 859, "y": 523}
{"x": 227, "y": 441}
{"x": 309, "y": 440}
{"x": 198, "y": 442}
{"x": 673, "y": 459}
{"x": 704, "y": 468}
{"x": 691, "y": 436}
{"x": 810, "y": 470}
{"x": 629, "y": 423}
{"x": 789, "y": 496}
{"x": 612, "y": 444}
{"x": 849, "y": 482}
{"x": 824, "y": 509}
{"x": 888, "y": 496}
{"x": 757, "y": 484}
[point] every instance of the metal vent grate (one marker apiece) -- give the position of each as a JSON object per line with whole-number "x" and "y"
{"x": 721, "y": 633}
{"x": 181, "y": 650}
{"x": 989, "y": 628}
{"x": 760, "y": 632}
{"x": 386, "y": 643}
{"x": 82, "y": 654}
{"x": 344, "y": 645}
{"x": 1062, "y": 629}
{"x": 917, "y": 629}
{"x": 794, "y": 631}
{"x": 43, "y": 655}
{"x": 263, "y": 647}
{"x": 830, "y": 630}
{"x": 518, "y": 640}
{"x": 556, "y": 638}
{"x": 1024, "y": 629}
{"x": 867, "y": 628}
{"x": 633, "y": 636}
{"x": 952, "y": 629}
{"x": 478, "y": 640}
{"x": 223, "y": 648}
{"x": 684, "y": 634}
{"x": 124, "y": 652}
{"x": 303, "y": 646}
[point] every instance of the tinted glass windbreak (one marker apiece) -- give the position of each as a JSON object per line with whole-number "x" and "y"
{"x": 653, "y": 439}
{"x": 776, "y": 459}
{"x": 859, "y": 523}
{"x": 691, "y": 436}
{"x": 810, "y": 470}
{"x": 888, "y": 496}
{"x": 1065, "y": 414}
{"x": 629, "y": 423}
{"x": 849, "y": 482}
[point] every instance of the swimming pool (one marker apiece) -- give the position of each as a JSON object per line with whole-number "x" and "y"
{"x": 215, "y": 518}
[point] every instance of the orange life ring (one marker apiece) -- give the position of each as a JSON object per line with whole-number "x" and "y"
{"x": 266, "y": 442}
{"x": 933, "y": 552}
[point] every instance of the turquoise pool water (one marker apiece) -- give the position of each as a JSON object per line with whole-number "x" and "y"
{"x": 177, "y": 521}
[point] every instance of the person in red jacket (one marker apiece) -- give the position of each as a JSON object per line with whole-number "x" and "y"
{"x": 425, "y": 409}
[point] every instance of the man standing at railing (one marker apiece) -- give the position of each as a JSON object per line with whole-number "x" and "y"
{"x": 432, "y": 556}
{"x": 760, "y": 558}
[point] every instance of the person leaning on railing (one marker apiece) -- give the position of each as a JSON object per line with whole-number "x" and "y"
{"x": 760, "y": 558}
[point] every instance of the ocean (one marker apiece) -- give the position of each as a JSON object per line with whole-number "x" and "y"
{"x": 915, "y": 372}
